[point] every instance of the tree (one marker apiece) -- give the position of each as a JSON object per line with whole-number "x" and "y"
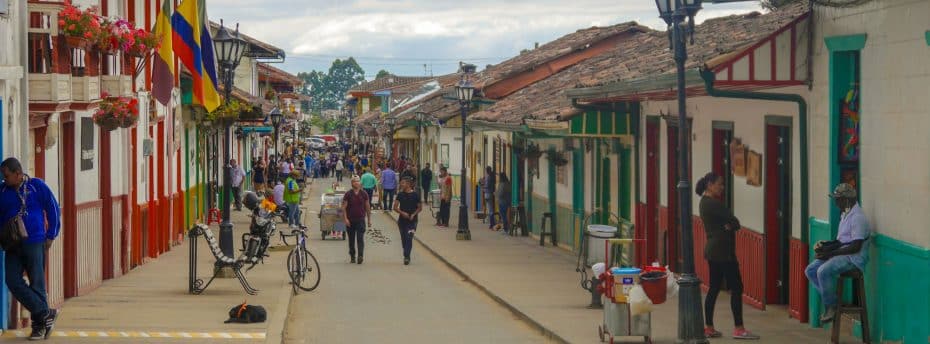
{"x": 328, "y": 89}
{"x": 382, "y": 73}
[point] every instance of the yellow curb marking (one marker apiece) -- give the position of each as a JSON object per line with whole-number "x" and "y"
{"x": 137, "y": 334}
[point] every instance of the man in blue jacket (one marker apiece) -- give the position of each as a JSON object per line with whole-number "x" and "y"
{"x": 42, "y": 219}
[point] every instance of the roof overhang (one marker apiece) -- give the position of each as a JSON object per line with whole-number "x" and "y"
{"x": 512, "y": 127}
{"x": 662, "y": 86}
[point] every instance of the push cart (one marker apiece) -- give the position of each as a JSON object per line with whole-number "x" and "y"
{"x": 331, "y": 217}
{"x": 619, "y": 320}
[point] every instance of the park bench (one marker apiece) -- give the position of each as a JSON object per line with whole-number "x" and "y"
{"x": 196, "y": 285}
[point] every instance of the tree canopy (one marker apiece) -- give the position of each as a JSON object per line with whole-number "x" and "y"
{"x": 328, "y": 89}
{"x": 382, "y": 73}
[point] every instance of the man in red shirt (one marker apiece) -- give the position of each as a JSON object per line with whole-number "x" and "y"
{"x": 445, "y": 197}
{"x": 356, "y": 209}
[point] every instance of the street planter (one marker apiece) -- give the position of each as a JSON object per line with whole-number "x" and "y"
{"x": 76, "y": 42}
{"x": 116, "y": 112}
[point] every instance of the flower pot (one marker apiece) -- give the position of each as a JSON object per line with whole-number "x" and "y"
{"x": 76, "y": 42}
{"x": 108, "y": 123}
{"x": 128, "y": 122}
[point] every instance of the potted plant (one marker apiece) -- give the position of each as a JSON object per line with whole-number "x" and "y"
{"x": 556, "y": 158}
{"x": 116, "y": 112}
{"x": 225, "y": 114}
{"x": 78, "y": 26}
{"x": 142, "y": 43}
{"x": 532, "y": 152}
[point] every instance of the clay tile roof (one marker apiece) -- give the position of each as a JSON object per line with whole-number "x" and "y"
{"x": 643, "y": 54}
{"x": 387, "y": 82}
{"x": 578, "y": 40}
{"x": 258, "y": 49}
{"x": 266, "y": 71}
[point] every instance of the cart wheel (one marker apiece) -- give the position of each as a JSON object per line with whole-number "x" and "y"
{"x": 600, "y": 332}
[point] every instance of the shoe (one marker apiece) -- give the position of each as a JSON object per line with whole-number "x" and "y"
{"x": 37, "y": 333}
{"x": 710, "y": 332}
{"x": 828, "y": 314}
{"x": 360, "y": 260}
{"x": 352, "y": 261}
{"x": 744, "y": 334}
{"x": 406, "y": 261}
{"x": 50, "y": 322}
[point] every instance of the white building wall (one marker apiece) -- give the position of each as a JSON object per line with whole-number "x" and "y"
{"x": 88, "y": 185}
{"x": 748, "y": 117}
{"x": 452, "y": 137}
{"x": 895, "y": 109}
{"x": 12, "y": 40}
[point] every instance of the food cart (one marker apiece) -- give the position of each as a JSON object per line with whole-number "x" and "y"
{"x": 331, "y": 217}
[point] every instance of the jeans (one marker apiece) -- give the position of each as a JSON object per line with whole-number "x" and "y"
{"x": 357, "y": 236}
{"x": 406, "y": 238}
{"x": 719, "y": 271}
{"x": 370, "y": 192}
{"x": 30, "y": 258}
{"x": 293, "y": 214}
{"x": 444, "y": 211}
{"x": 426, "y": 191}
{"x": 388, "y": 199}
{"x": 338, "y": 176}
{"x": 823, "y": 275}
{"x": 489, "y": 210}
{"x": 505, "y": 221}
{"x": 237, "y": 196}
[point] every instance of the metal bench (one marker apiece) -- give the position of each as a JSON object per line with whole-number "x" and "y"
{"x": 196, "y": 285}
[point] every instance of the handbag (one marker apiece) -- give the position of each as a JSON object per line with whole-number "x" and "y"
{"x": 14, "y": 231}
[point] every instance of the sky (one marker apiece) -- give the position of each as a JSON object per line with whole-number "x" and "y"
{"x": 427, "y": 37}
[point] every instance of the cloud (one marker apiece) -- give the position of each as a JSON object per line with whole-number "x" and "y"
{"x": 403, "y": 35}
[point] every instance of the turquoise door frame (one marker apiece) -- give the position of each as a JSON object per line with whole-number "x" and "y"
{"x": 4, "y": 294}
{"x": 578, "y": 179}
{"x": 553, "y": 206}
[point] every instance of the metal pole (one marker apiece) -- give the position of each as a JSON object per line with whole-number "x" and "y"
{"x": 420, "y": 155}
{"x": 463, "y": 232}
{"x": 226, "y": 227}
{"x": 690, "y": 318}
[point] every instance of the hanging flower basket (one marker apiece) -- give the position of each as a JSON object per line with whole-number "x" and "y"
{"x": 128, "y": 122}
{"x": 115, "y": 112}
{"x": 107, "y": 123}
{"x": 78, "y": 26}
{"x": 77, "y": 42}
{"x": 532, "y": 152}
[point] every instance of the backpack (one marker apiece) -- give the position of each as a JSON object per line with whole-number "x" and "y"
{"x": 247, "y": 314}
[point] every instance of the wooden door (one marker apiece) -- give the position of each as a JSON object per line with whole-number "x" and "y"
{"x": 777, "y": 213}
{"x": 652, "y": 191}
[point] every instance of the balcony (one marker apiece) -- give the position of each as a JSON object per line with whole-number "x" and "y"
{"x": 116, "y": 85}
{"x": 85, "y": 88}
{"x": 49, "y": 87}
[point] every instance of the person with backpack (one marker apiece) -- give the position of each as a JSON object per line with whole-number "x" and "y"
{"x": 30, "y": 220}
{"x": 408, "y": 206}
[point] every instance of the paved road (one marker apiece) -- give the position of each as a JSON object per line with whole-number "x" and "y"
{"x": 386, "y": 301}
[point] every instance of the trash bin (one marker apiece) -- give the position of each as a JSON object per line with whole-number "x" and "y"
{"x": 624, "y": 279}
{"x": 596, "y": 236}
{"x": 654, "y": 284}
{"x": 434, "y": 197}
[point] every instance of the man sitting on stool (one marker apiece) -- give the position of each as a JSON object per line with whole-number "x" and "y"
{"x": 848, "y": 252}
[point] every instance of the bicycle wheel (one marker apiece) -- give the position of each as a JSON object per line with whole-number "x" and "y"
{"x": 303, "y": 269}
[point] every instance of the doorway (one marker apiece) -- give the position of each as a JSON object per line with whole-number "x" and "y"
{"x": 652, "y": 191}
{"x": 722, "y": 136}
{"x": 777, "y": 208}
{"x": 69, "y": 213}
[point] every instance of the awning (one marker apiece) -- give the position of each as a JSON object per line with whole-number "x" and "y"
{"x": 406, "y": 133}
{"x": 257, "y": 129}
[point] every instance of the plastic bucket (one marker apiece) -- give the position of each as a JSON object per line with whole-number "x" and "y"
{"x": 596, "y": 236}
{"x": 624, "y": 280}
{"x": 654, "y": 284}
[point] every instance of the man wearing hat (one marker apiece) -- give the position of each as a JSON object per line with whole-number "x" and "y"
{"x": 848, "y": 252}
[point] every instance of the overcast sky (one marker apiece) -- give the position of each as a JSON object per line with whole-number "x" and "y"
{"x": 403, "y": 35}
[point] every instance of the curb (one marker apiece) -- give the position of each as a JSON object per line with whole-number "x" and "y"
{"x": 547, "y": 332}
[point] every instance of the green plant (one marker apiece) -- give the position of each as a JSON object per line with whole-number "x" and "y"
{"x": 226, "y": 113}
{"x": 75, "y": 22}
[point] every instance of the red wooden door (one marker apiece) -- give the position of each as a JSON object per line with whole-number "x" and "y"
{"x": 69, "y": 271}
{"x": 672, "y": 255}
{"x": 652, "y": 190}
{"x": 777, "y": 221}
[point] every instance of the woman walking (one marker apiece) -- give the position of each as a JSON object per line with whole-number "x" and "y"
{"x": 503, "y": 201}
{"x": 720, "y": 227}
{"x": 407, "y": 207}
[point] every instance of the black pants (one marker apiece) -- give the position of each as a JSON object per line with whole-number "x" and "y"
{"x": 388, "y": 200}
{"x": 444, "y": 212}
{"x": 406, "y": 238}
{"x": 729, "y": 271}
{"x": 338, "y": 176}
{"x": 237, "y": 196}
{"x": 357, "y": 236}
{"x": 426, "y": 190}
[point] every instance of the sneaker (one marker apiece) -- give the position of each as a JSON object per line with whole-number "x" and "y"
{"x": 744, "y": 334}
{"x": 360, "y": 260}
{"x": 710, "y": 332}
{"x": 406, "y": 261}
{"x": 50, "y": 322}
{"x": 352, "y": 261}
{"x": 828, "y": 314}
{"x": 38, "y": 333}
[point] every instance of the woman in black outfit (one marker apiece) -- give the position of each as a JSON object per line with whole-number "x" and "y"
{"x": 407, "y": 207}
{"x": 720, "y": 227}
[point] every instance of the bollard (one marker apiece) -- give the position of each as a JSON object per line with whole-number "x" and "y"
{"x": 592, "y": 287}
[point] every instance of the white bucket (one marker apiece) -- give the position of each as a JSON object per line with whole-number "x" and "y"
{"x": 596, "y": 236}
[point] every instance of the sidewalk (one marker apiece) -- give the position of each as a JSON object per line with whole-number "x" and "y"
{"x": 540, "y": 286}
{"x": 151, "y": 303}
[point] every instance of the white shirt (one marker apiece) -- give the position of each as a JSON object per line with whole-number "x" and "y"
{"x": 286, "y": 167}
{"x": 279, "y": 194}
{"x": 339, "y": 166}
{"x": 238, "y": 174}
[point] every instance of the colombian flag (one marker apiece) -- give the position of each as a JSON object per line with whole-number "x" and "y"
{"x": 194, "y": 46}
{"x": 163, "y": 64}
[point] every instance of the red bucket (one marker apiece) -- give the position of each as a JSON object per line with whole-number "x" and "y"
{"x": 654, "y": 284}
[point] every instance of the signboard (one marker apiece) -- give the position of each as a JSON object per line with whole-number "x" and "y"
{"x": 87, "y": 143}
{"x": 738, "y": 158}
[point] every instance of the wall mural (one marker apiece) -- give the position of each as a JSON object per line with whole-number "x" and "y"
{"x": 849, "y": 127}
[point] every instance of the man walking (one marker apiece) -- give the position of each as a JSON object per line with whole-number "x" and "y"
{"x": 369, "y": 182}
{"x": 389, "y": 185}
{"x": 356, "y": 209}
{"x": 339, "y": 169}
{"x": 850, "y": 251}
{"x": 426, "y": 179}
{"x": 34, "y": 201}
{"x": 445, "y": 197}
{"x": 238, "y": 176}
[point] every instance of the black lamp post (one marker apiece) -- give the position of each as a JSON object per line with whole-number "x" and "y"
{"x": 229, "y": 51}
{"x": 276, "y": 122}
{"x": 390, "y": 121}
{"x": 465, "y": 90}
{"x": 690, "y": 318}
{"x": 420, "y": 163}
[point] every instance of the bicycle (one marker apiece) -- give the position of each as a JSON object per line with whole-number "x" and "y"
{"x": 302, "y": 266}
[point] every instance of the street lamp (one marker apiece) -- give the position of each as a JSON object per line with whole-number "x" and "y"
{"x": 390, "y": 123}
{"x": 276, "y": 122}
{"x": 465, "y": 91}
{"x": 229, "y": 50}
{"x": 420, "y": 116}
{"x": 690, "y": 318}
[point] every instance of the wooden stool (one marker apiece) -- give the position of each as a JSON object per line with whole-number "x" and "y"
{"x": 860, "y": 308}
{"x": 550, "y": 233}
